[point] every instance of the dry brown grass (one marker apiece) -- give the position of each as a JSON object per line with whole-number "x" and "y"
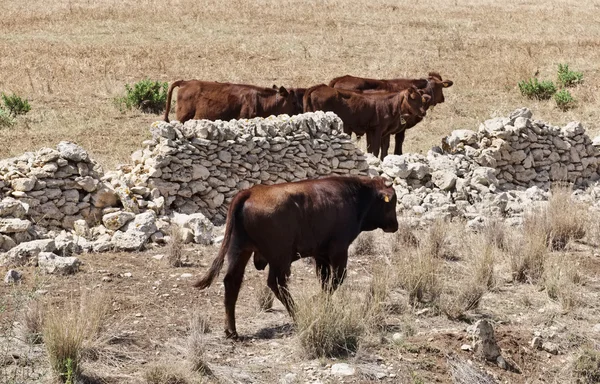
{"x": 175, "y": 252}
{"x": 528, "y": 253}
{"x": 196, "y": 343}
{"x": 167, "y": 373}
{"x": 89, "y": 50}
{"x": 264, "y": 297}
{"x": 418, "y": 271}
{"x": 33, "y": 321}
{"x": 562, "y": 280}
{"x": 68, "y": 330}
{"x": 330, "y": 325}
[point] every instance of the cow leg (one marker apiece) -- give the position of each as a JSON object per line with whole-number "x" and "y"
{"x": 375, "y": 143}
{"x": 385, "y": 145}
{"x": 339, "y": 261}
{"x": 399, "y": 140}
{"x": 233, "y": 282}
{"x": 277, "y": 281}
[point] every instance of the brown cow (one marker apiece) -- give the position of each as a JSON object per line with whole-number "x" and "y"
{"x": 374, "y": 113}
{"x": 299, "y": 92}
{"x": 224, "y": 101}
{"x": 311, "y": 218}
{"x": 433, "y": 86}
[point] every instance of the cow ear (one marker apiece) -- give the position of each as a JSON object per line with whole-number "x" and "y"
{"x": 274, "y": 86}
{"x": 447, "y": 83}
{"x": 283, "y": 92}
{"x": 425, "y": 99}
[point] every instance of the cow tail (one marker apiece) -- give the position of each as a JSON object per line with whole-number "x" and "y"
{"x": 234, "y": 210}
{"x": 169, "y": 94}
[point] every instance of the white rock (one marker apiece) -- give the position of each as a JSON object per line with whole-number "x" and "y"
{"x": 72, "y": 151}
{"x": 116, "y": 220}
{"x": 342, "y": 369}
{"x": 51, "y": 263}
{"x": 22, "y": 253}
{"x": 12, "y": 276}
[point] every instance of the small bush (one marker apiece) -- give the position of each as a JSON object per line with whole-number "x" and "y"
{"x": 147, "y": 95}
{"x": 528, "y": 254}
{"x": 436, "y": 243}
{"x": 364, "y": 244}
{"x": 404, "y": 237}
{"x": 568, "y": 78}
{"x": 587, "y": 366}
{"x": 565, "y": 219}
{"x": 15, "y": 105}
{"x": 534, "y": 89}
{"x": 329, "y": 325}
{"x": 564, "y": 100}
{"x": 560, "y": 282}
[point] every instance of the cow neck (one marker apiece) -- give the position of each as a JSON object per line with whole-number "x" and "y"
{"x": 366, "y": 199}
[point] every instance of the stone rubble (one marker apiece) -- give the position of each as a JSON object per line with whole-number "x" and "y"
{"x": 187, "y": 174}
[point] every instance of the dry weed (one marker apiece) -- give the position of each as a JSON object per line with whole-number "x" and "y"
{"x": 565, "y": 219}
{"x": 417, "y": 271}
{"x": 436, "y": 243}
{"x": 495, "y": 233}
{"x": 587, "y": 366}
{"x": 364, "y": 244}
{"x": 33, "y": 320}
{"x": 464, "y": 372}
{"x": 66, "y": 331}
{"x": 330, "y": 325}
{"x": 175, "y": 247}
{"x": 404, "y": 238}
{"x": 376, "y": 302}
{"x": 166, "y": 373}
{"x": 529, "y": 253}
{"x": 196, "y": 343}
{"x": 264, "y": 298}
{"x": 561, "y": 281}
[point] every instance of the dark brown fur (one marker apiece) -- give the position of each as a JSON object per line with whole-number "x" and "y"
{"x": 432, "y": 86}
{"x": 225, "y": 101}
{"x": 313, "y": 218}
{"x": 375, "y": 114}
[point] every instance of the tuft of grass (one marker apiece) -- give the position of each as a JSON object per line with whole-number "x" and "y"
{"x": 67, "y": 330}
{"x": 33, "y": 320}
{"x": 196, "y": 344}
{"x": 534, "y": 89}
{"x": 587, "y": 366}
{"x": 364, "y": 244}
{"x": 175, "y": 247}
{"x": 330, "y": 325}
{"x": 146, "y": 95}
{"x": 436, "y": 243}
{"x": 564, "y": 100}
{"x": 265, "y": 298}
{"x": 165, "y": 374}
{"x": 5, "y": 119}
{"x": 495, "y": 233}
{"x": 465, "y": 373}
{"x": 404, "y": 237}
{"x": 529, "y": 253}
{"x": 561, "y": 282}
{"x": 376, "y": 302}
{"x": 417, "y": 272}
{"x": 15, "y": 105}
{"x": 568, "y": 78}
{"x": 564, "y": 218}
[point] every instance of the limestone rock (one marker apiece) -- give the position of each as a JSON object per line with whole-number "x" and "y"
{"x": 53, "y": 264}
{"x": 72, "y": 151}
{"x": 116, "y": 220}
{"x": 24, "y": 252}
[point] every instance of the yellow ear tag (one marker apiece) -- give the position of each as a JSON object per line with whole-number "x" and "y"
{"x": 386, "y": 199}
{"x": 423, "y": 100}
{"x": 445, "y": 85}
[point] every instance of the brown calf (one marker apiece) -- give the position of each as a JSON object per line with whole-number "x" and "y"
{"x": 224, "y": 101}
{"x": 313, "y": 218}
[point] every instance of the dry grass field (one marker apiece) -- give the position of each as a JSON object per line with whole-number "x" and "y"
{"x": 71, "y": 58}
{"x": 135, "y": 319}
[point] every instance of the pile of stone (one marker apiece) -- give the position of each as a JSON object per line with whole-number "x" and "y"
{"x": 200, "y": 165}
{"x": 508, "y": 165}
{"x": 184, "y": 176}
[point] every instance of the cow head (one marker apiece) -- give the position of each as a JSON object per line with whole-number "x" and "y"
{"x": 382, "y": 213}
{"x": 290, "y": 101}
{"x": 415, "y": 102}
{"x": 435, "y": 87}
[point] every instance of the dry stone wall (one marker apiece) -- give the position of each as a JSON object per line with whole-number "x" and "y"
{"x": 200, "y": 165}
{"x": 501, "y": 169}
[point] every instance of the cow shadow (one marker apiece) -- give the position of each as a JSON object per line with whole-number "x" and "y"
{"x": 275, "y": 332}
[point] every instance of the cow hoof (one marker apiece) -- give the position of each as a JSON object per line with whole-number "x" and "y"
{"x": 231, "y": 334}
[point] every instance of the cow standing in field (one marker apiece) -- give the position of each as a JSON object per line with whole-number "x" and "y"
{"x": 432, "y": 86}
{"x": 313, "y": 218}
{"x": 298, "y": 92}
{"x": 224, "y": 101}
{"x": 375, "y": 114}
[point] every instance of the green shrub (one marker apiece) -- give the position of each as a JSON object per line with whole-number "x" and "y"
{"x": 568, "y": 78}
{"x": 535, "y": 89}
{"x": 147, "y": 95}
{"x": 564, "y": 100}
{"x": 15, "y": 105}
